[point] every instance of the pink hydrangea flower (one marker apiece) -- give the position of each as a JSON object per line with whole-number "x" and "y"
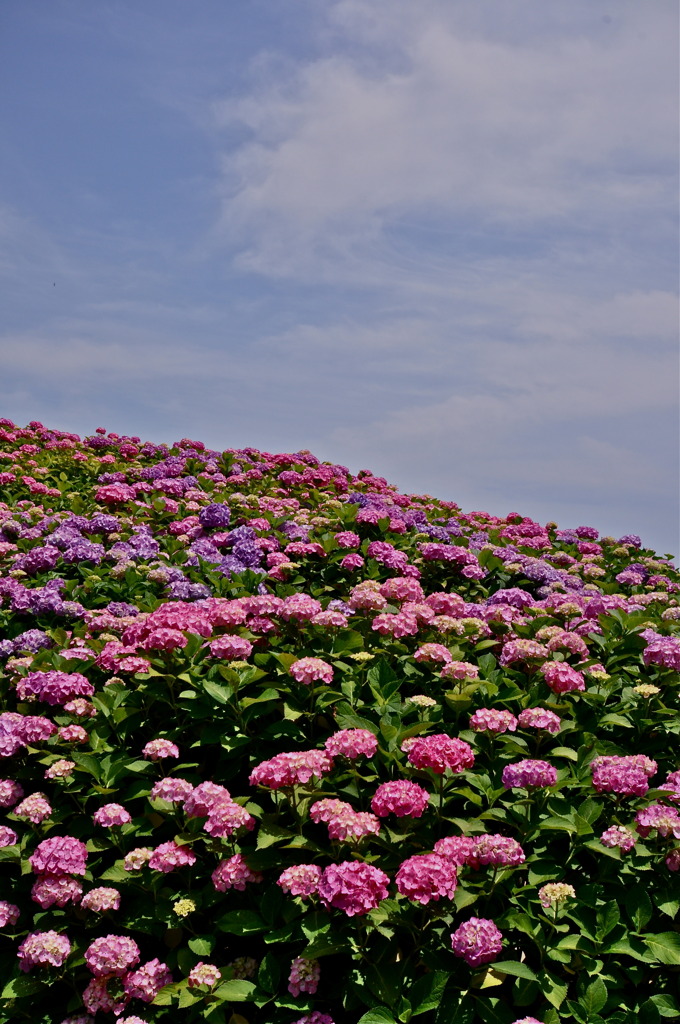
{"x": 226, "y": 818}
{"x": 539, "y": 718}
{"x": 10, "y": 793}
{"x": 205, "y": 798}
{"x": 522, "y": 650}
{"x": 290, "y": 769}
{"x": 146, "y": 982}
{"x": 111, "y": 815}
{"x": 561, "y": 677}
{"x": 310, "y": 670}
{"x": 352, "y": 743}
{"x": 203, "y": 974}
{"x": 351, "y": 562}
{"x": 111, "y": 954}
{"x": 433, "y": 654}
{"x": 35, "y": 808}
{"x": 304, "y": 976}
{"x": 231, "y": 648}
{"x": 523, "y": 774}
{"x": 54, "y": 687}
{"x": 477, "y": 941}
{"x": 527, "y": 1020}
{"x": 169, "y": 856}
{"x": 164, "y": 639}
{"x": 441, "y": 752}
{"x": 81, "y": 708}
{"x": 137, "y": 858}
{"x": 9, "y": 913}
{"x": 60, "y": 769}
{"x": 672, "y": 859}
{"x": 459, "y": 850}
{"x": 299, "y": 608}
{"x": 460, "y": 671}
{"x": 402, "y": 798}
{"x": 97, "y": 997}
{"x": 43, "y": 949}
{"x": 49, "y": 890}
{"x": 426, "y": 877}
{"x": 619, "y": 835}
{"x": 301, "y": 880}
{"x": 500, "y": 851}
{"x": 174, "y": 791}
{"x": 608, "y": 778}
{"x": 73, "y": 734}
{"x": 665, "y": 821}
{"x": 234, "y": 873}
{"x": 347, "y": 539}
{"x": 36, "y": 729}
{"x": 60, "y": 855}
{"x": 315, "y": 1017}
{"x": 638, "y": 761}
{"x": 493, "y": 720}
{"x": 353, "y": 887}
{"x": 101, "y": 899}
{"x": 157, "y": 749}
{"x": 8, "y": 836}
{"x": 661, "y": 650}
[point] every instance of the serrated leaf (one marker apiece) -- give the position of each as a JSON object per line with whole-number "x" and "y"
{"x": 236, "y": 991}
{"x": 515, "y": 968}
{"x": 219, "y": 693}
{"x": 594, "y": 997}
{"x": 427, "y": 992}
{"x": 639, "y": 907}
{"x": 379, "y": 1015}
{"x": 20, "y": 987}
{"x": 241, "y": 922}
{"x": 607, "y": 918}
{"x": 665, "y": 946}
{"x": 201, "y": 946}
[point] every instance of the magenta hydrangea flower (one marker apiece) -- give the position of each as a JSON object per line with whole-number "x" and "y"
{"x": 35, "y": 808}
{"x": 60, "y": 855}
{"x": 661, "y": 650}
{"x": 43, "y": 949}
{"x": 9, "y": 913}
{"x": 169, "y": 856}
{"x": 157, "y": 749}
{"x": 101, "y": 899}
{"x": 426, "y": 877}
{"x": 290, "y": 769}
{"x": 37, "y": 729}
{"x": 234, "y": 873}
{"x": 231, "y": 648}
{"x": 539, "y": 718}
{"x": 146, "y": 982}
{"x": 352, "y": 743}
{"x": 665, "y": 821}
{"x": 49, "y": 890}
{"x": 203, "y": 974}
{"x": 353, "y": 887}
{"x": 301, "y": 880}
{"x": 202, "y": 800}
{"x": 311, "y": 670}
{"x": 523, "y": 774}
{"x": 561, "y": 677}
{"x": 619, "y": 835}
{"x": 111, "y": 954}
{"x": 226, "y": 818}
{"x": 54, "y": 687}
{"x": 111, "y": 815}
{"x": 441, "y": 752}
{"x": 458, "y": 849}
{"x": 8, "y": 836}
{"x": 477, "y": 941}
{"x": 304, "y": 976}
{"x": 493, "y": 720}
{"x": 627, "y": 781}
{"x": 402, "y": 798}
{"x": 10, "y": 793}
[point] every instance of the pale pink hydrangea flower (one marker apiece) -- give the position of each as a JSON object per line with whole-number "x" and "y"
{"x": 49, "y": 890}
{"x": 132, "y": 1019}
{"x": 204, "y": 798}
{"x": 174, "y": 791}
{"x": 60, "y": 769}
{"x": 101, "y": 899}
{"x": 299, "y": 608}
{"x": 353, "y": 887}
{"x": 493, "y": 720}
{"x": 527, "y": 1020}
{"x": 352, "y": 743}
{"x": 81, "y": 708}
{"x": 111, "y": 815}
{"x": 43, "y": 949}
{"x": 35, "y": 808}
{"x": 523, "y": 774}
{"x": 672, "y": 787}
{"x": 111, "y": 954}
{"x": 97, "y": 997}
{"x": 499, "y": 851}
{"x": 60, "y": 855}
{"x": 203, "y": 974}
{"x": 522, "y": 650}
{"x": 8, "y": 836}
{"x": 290, "y": 769}
{"x": 73, "y": 734}
{"x": 397, "y": 625}
{"x": 301, "y": 880}
{"x": 304, "y": 976}
{"x": 402, "y": 798}
{"x": 561, "y": 677}
{"x": 146, "y": 982}
{"x": 441, "y": 752}
{"x": 539, "y": 718}
{"x": 426, "y": 877}
{"x": 555, "y": 893}
{"x": 169, "y": 856}
{"x": 10, "y": 792}
{"x": 159, "y": 748}
{"x": 9, "y": 913}
{"x": 477, "y": 941}
{"x": 619, "y": 835}
{"x": 227, "y": 818}
{"x": 137, "y": 858}
{"x": 351, "y": 824}
{"x": 638, "y": 761}
{"x": 310, "y": 670}
{"x": 460, "y": 671}
{"x": 234, "y": 873}
{"x": 665, "y": 821}
{"x": 433, "y": 654}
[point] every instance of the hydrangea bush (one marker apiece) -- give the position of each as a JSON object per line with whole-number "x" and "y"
{"x": 281, "y": 745}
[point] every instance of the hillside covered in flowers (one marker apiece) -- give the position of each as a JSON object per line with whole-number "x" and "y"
{"x": 281, "y": 745}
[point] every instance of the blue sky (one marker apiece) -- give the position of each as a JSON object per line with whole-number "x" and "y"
{"x": 436, "y": 239}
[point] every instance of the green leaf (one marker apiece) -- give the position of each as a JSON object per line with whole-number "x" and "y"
{"x": 665, "y": 946}
{"x": 427, "y": 992}
{"x": 201, "y": 947}
{"x": 567, "y": 752}
{"x": 558, "y": 824}
{"x": 666, "y": 1005}
{"x": 554, "y": 990}
{"x": 379, "y": 1015}
{"x": 241, "y": 922}
{"x": 515, "y": 968}
{"x": 219, "y": 693}
{"x": 639, "y": 907}
{"x": 236, "y": 990}
{"x": 19, "y": 987}
{"x": 594, "y": 997}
